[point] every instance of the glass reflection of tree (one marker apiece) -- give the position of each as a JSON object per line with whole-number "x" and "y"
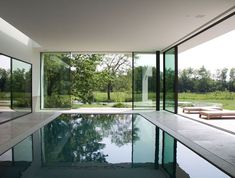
{"x": 78, "y": 137}
{"x": 5, "y": 76}
{"x": 170, "y": 78}
{"x": 54, "y": 134}
{"x": 21, "y": 89}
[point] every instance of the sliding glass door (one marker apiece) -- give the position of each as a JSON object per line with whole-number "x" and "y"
{"x": 145, "y": 81}
{"x": 56, "y": 80}
{"x": 15, "y": 88}
{"x": 170, "y": 79}
{"x": 21, "y": 76}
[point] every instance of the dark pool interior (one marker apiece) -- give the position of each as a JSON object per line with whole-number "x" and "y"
{"x": 103, "y": 145}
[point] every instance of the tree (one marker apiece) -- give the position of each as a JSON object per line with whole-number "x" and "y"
{"x": 123, "y": 83}
{"x": 203, "y": 80}
{"x": 186, "y": 80}
{"x": 113, "y": 65}
{"x": 221, "y": 77}
{"x": 57, "y": 84}
{"x": 84, "y": 75}
{"x": 4, "y": 80}
{"x": 232, "y": 79}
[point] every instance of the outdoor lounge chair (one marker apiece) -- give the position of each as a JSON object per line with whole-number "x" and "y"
{"x": 216, "y": 114}
{"x": 198, "y": 109}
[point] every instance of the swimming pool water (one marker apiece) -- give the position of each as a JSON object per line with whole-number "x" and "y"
{"x": 103, "y": 145}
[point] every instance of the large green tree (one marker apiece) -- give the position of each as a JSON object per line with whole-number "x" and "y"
{"x": 4, "y": 80}
{"x": 113, "y": 66}
{"x": 221, "y": 77}
{"x": 84, "y": 75}
{"x": 186, "y": 80}
{"x": 56, "y": 80}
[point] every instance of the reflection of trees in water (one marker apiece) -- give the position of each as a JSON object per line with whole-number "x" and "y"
{"x": 78, "y": 137}
{"x": 83, "y": 144}
{"x": 117, "y": 127}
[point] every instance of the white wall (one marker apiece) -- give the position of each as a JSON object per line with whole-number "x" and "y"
{"x": 19, "y": 50}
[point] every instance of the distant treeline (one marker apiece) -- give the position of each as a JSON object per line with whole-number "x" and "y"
{"x": 202, "y": 80}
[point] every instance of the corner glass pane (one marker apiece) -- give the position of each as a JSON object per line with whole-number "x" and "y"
{"x": 144, "y": 81}
{"x": 23, "y": 152}
{"x": 144, "y": 140}
{"x": 189, "y": 164}
{"x": 15, "y": 88}
{"x": 15, "y": 161}
{"x": 169, "y": 157}
{"x": 161, "y": 82}
{"x": 56, "y": 85}
{"x": 5, "y": 87}
{"x": 170, "y": 80}
{"x": 21, "y": 86}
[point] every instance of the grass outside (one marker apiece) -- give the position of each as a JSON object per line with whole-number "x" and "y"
{"x": 118, "y": 100}
{"x": 95, "y": 105}
{"x": 224, "y": 99}
{"x": 123, "y": 99}
{"x": 115, "y": 96}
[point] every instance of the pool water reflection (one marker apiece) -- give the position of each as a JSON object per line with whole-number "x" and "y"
{"x": 117, "y": 145}
{"x": 80, "y": 138}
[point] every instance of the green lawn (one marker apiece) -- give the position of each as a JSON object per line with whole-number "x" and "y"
{"x": 97, "y": 105}
{"x": 75, "y": 106}
{"x": 224, "y": 99}
{"x": 115, "y": 96}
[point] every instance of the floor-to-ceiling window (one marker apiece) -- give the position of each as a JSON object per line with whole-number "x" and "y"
{"x": 206, "y": 75}
{"x": 55, "y": 80}
{"x": 21, "y": 86}
{"x": 76, "y": 80}
{"x": 15, "y": 88}
{"x": 170, "y": 80}
{"x": 144, "y": 81}
{"x": 5, "y": 83}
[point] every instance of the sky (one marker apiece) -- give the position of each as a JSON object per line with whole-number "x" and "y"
{"x": 214, "y": 54}
{"x": 4, "y": 62}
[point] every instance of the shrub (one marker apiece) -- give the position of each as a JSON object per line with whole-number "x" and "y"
{"x": 120, "y": 105}
{"x": 58, "y": 101}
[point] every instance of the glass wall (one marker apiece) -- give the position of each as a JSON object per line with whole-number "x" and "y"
{"x": 169, "y": 154}
{"x": 21, "y": 86}
{"x": 102, "y": 80}
{"x": 207, "y": 75}
{"x": 146, "y": 142}
{"x": 56, "y": 84}
{"x": 161, "y": 83}
{"x": 16, "y": 160}
{"x": 75, "y": 80}
{"x": 170, "y": 80}
{"x": 144, "y": 81}
{"x": 15, "y": 88}
{"x": 5, "y": 83}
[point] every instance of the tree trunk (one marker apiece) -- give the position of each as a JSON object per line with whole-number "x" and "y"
{"x": 109, "y": 91}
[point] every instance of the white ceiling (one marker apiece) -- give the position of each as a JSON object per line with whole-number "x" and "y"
{"x": 109, "y": 25}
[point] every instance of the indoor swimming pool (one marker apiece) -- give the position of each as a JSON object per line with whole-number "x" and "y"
{"x": 103, "y": 145}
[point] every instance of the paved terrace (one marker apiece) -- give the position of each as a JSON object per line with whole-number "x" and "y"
{"x": 226, "y": 124}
